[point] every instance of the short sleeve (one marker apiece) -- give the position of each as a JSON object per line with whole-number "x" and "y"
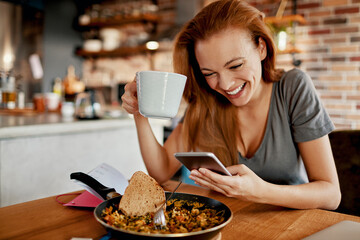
{"x": 308, "y": 118}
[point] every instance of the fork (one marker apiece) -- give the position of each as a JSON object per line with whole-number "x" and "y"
{"x": 159, "y": 217}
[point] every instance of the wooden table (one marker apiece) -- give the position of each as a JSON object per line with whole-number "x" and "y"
{"x": 47, "y": 219}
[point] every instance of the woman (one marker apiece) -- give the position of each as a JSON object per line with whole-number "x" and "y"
{"x": 266, "y": 125}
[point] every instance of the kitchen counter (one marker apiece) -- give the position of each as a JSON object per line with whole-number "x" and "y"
{"x": 38, "y": 152}
{"x": 27, "y": 117}
{"x": 53, "y": 123}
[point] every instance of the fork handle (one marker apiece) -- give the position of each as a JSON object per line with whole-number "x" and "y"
{"x": 171, "y": 194}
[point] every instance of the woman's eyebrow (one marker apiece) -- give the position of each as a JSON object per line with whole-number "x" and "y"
{"x": 232, "y": 60}
{"x": 206, "y": 69}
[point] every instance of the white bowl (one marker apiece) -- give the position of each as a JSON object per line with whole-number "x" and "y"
{"x": 109, "y": 45}
{"x": 110, "y": 33}
{"x": 92, "y": 45}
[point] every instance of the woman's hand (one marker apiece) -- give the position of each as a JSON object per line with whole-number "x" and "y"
{"x": 244, "y": 184}
{"x": 129, "y": 98}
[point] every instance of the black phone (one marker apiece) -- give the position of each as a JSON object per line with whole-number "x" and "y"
{"x": 196, "y": 160}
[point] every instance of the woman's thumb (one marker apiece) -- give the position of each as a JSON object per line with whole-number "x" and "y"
{"x": 239, "y": 169}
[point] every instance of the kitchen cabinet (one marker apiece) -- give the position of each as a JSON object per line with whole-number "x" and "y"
{"x": 36, "y": 160}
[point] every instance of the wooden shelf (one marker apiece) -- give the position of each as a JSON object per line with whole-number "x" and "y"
{"x": 119, "y": 52}
{"x": 124, "y": 51}
{"x": 149, "y": 20}
{"x": 121, "y": 21}
{"x": 115, "y": 22}
{"x": 284, "y": 20}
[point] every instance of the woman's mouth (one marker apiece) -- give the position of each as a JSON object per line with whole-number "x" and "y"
{"x": 237, "y": 90}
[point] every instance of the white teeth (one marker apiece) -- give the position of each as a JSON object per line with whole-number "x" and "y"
{"x": 236, "y": 90}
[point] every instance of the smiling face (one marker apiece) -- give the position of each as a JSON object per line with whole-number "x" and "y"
{"x": 231, "y": 65}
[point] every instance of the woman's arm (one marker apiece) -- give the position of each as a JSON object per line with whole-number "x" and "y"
{"x": 322, "y": 191}
{"x": 158, "y": 159}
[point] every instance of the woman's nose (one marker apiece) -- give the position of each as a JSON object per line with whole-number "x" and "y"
{"x": 226, "y": 82}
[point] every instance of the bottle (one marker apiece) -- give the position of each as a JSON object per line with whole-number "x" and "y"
{"x": 21, "y": 99}
{"x": 58, "y": 87}
{"x": 72, "y": 85}
{"x": 2, "y": 79}
{"x": 8, "y": 92}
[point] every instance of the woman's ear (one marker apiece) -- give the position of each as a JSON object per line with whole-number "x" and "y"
{"x": 262, "y": 49}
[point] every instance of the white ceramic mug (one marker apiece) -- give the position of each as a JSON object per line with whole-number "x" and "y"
{"x": 159, "y": 93}
{"x": 52, "y": 101}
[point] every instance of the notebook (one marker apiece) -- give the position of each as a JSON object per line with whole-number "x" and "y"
{"x": 346, "y": 230}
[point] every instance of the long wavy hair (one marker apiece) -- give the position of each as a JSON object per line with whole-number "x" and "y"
{"x": 210, "y": 122}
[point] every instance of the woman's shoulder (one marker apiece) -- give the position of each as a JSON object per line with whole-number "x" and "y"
{"x": 294, "y": 76}
{"x": 295, "y": 80}
{"x": 295, "y": 86}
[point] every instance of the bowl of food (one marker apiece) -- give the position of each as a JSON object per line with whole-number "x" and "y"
{"x": 188, "y": 216}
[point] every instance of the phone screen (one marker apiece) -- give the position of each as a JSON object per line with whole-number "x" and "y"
{"x": 196, "y": 160}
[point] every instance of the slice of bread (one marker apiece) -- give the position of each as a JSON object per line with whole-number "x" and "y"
{"x": 143, "y": 195}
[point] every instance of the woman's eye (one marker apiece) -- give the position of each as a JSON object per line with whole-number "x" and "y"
{"x": 207, "y": 74}
{"x": 236, "y": 66}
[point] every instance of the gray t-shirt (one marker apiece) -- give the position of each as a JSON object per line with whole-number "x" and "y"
{"x": 295, "y": 115}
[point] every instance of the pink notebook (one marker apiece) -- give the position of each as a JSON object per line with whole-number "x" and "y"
{"x": 85, "y": 199}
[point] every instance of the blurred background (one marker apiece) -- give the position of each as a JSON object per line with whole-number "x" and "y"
{"x": 101, "y": 44}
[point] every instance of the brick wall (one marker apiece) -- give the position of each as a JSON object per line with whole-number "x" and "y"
{"x": 330, "y": 45}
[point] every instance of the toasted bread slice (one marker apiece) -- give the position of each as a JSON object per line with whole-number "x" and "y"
{"x": 143, "y": 195}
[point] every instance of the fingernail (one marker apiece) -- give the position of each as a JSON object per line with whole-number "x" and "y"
{"x": 192, "y": 177}
{"x": 202, "y": 170}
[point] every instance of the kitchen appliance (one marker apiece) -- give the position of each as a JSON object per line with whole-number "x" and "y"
{"x": 89, "y": 105}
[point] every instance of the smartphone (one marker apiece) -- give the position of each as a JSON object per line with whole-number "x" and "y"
{"x": 196, "y": 160}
